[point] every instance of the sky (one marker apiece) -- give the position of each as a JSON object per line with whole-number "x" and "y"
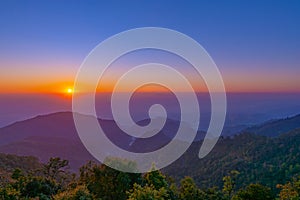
{"x": 255, "y": 44}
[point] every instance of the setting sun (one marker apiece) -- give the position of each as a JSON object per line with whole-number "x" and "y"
{"x": 69, "y": 90}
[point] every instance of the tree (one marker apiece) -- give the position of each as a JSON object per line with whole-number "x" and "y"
{"x": 189, "y": 191}
{"x": 44, "y": 184}
{"x": 214, "y": 194}
{"x": 107, "y": 183}
{"x": 39, "y": 187}
{"x": 147, "y": 192}
{"x": 254, "y": 192}
{"x": 9, "y": 193}
{"x": 229, "y": 184}
{"x": 78, "y": 193}
{"x": 56, "y": 169}
{"x": 157, "y": 179}
{"x": 290, "y": 190}
{"x": 20, "y": 180}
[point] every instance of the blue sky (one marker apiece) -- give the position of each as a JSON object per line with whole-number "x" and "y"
{"x": 243, "y": 37}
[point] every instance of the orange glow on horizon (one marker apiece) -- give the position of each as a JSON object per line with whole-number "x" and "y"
{"x": 239, "y": 82}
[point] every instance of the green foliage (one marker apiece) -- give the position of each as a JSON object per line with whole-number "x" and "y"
{"x": 147, "y": 192}
{"x": 78, "y": 193}
{"x": 39, "y": 187}
{"x": 107, "y": 183}
{"x": 9, "y": 193}
{"x": 258, "y": 159}
{"x": 229, "y": 183}
{"x": 214, "y": 194}
{"x": 188, "y": 190}
{"x": 40, "y": 184}
{"x": 99, "y": 182}
{"x": 10, "y": 162}
{"x": 290, "y": 190}
{"x": 157, "y": 179}
{"x": 254, "y": 192}
{"x": 56, "y": 170}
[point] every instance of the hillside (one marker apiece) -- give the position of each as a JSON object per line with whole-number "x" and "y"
{"x": 259, "y": 159}
{"x": 274, "y": 128}
{"x": 46, "y": 136}
{"x": 8, "y": 163}
{"x": 54, "y": 135}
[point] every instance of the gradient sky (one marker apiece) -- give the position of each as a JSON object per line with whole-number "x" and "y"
{"x": 255, "y": 44}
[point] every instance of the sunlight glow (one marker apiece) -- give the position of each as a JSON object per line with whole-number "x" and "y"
{"x": 69, "y": 90}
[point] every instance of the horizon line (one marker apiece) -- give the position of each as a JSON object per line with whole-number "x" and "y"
{"x": 149, "y": 92}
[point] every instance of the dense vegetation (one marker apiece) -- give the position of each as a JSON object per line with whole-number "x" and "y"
{"x": 259, "y": 159}
{"x": 243, "y": 167}
{"x": 53, "y": 181}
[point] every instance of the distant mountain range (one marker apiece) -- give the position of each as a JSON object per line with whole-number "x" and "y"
{"x": 54, "y": 135}
{"x": 274, "y": 128}
{"x": 46, "y": 136}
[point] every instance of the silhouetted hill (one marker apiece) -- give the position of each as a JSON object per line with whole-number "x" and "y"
{"x": 54, "y": 135}
{"x": 274, "y": 128}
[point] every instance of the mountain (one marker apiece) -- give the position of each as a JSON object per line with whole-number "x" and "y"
{"x": 258, "y": 159}
{"x": 163, "y": 137}
{"x": 55, "y": 135}
{"x": 52, "y": 135}
{"x": 274, "y": 128}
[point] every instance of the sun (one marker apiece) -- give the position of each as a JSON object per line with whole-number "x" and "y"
{"x": 69, "y": 90}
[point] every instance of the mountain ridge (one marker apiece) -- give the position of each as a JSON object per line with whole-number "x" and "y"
{"x": 275, "y": 127}
{"x": 54, "y": 134}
